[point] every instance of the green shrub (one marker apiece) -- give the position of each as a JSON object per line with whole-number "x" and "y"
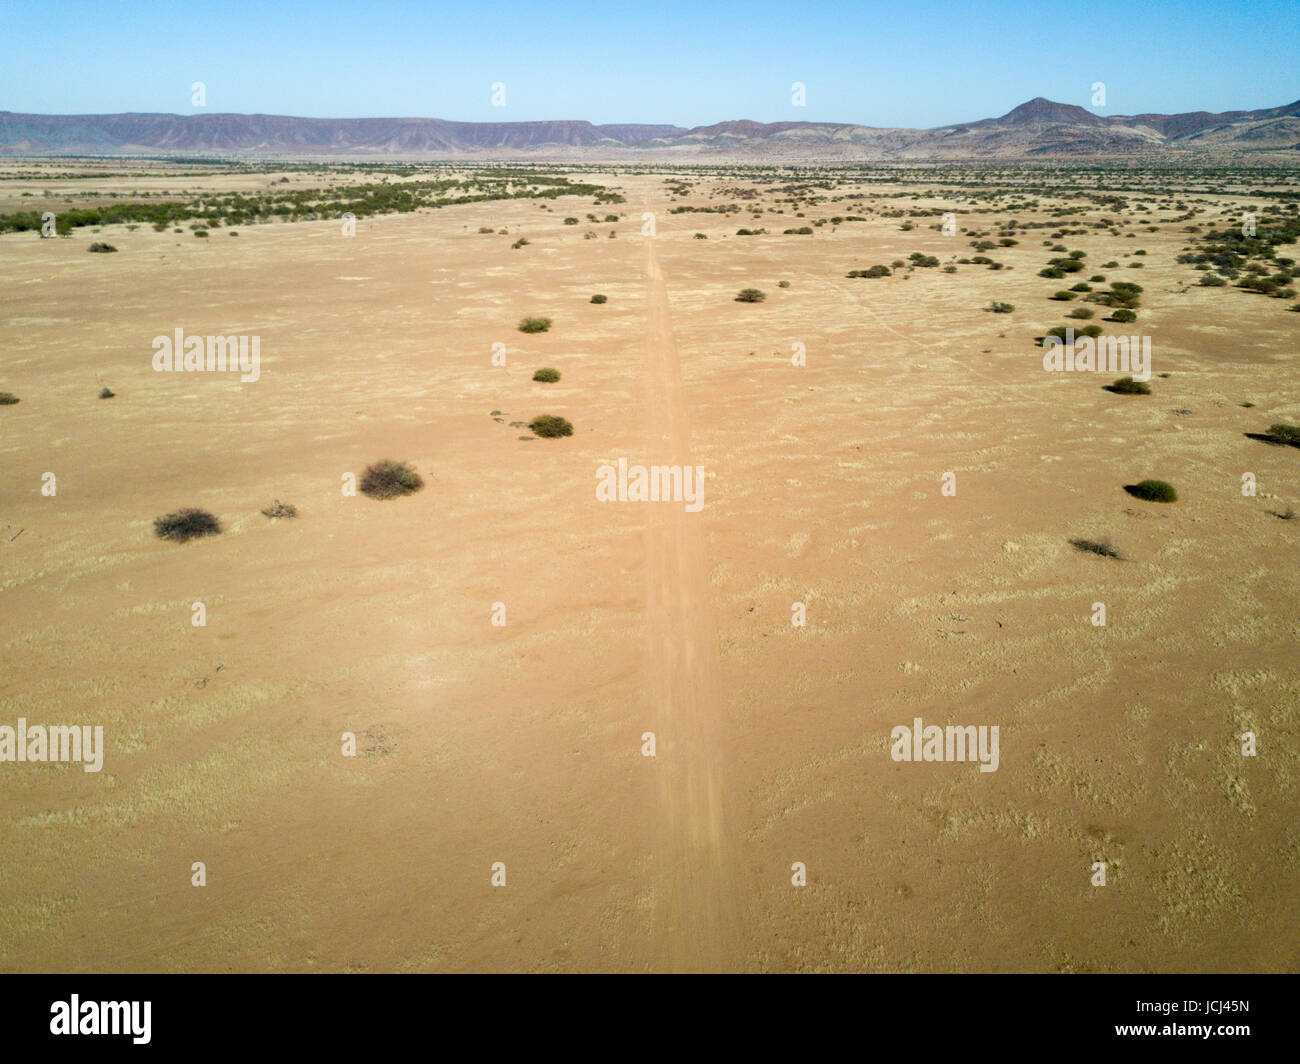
{"x": 1080, "y": 313}
{"x": 97, "y": 246}
{"x": 1152, "y": 491}
{"x": 8, "y": 399}
{"x": 783, "y": 284}
{"x": 1128, "y": 386}
{"x": 280, "y": 509}
{"x": 1124, "y": 316}
{"x": 599, "y": 299}
{"x": 1289, "y": 434}
{"x": 547, "y": 375}
{"x": 106, "y": 392}
{"x": 1095, "y": 546}
{"x": 873, "y": 271}
{"x": 1002, "y": 308}
{"x": 550, "y": 426}
{"x": 184, "y": 525}
{"x": 1061, "y": 331}
{"x": 1063, "y": 296}
{"x": 570, "y": 221}
{"x": 750, "y": 295}
{"x": 388, "y": 479}
{"x": 534, "y": 325}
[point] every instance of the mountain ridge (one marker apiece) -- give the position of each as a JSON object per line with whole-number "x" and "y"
{"x": 1037, "y": 127}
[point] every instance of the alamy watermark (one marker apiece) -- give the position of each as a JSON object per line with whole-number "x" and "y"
{"x": 40, "y": 743}
{"x": 1100, "y": 354}
{"x": 102, "y": 1017}
{"x": 209, "y": 354}
{"x": 656, "y": 483}
{"x": 930, "y": 742}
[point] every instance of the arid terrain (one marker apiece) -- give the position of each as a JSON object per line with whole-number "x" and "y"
{"x": 825, "y": 417}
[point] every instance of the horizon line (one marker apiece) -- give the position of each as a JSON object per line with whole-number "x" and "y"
{"x": 553, "y": 121}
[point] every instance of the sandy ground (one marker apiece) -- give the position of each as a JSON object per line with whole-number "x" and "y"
{"x": 522, "y": 744}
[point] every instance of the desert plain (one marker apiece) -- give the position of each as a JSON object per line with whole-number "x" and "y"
{"x": 826, "y": 417}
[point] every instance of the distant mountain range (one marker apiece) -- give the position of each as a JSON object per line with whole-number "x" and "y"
{"x": 1039, "y": 128}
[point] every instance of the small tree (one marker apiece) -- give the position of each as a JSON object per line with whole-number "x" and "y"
{"x": 1282, "y": 433}
{"x": 750, "y": 295}
{"x": 387, "y": 479}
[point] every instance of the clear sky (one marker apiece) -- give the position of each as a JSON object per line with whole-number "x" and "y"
{"x": 901, "y": 63}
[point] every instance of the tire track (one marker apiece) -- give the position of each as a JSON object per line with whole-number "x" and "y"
{"x": 698, "y": 919}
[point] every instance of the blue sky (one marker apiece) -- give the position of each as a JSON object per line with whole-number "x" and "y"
{"x": 687, "y": 63}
